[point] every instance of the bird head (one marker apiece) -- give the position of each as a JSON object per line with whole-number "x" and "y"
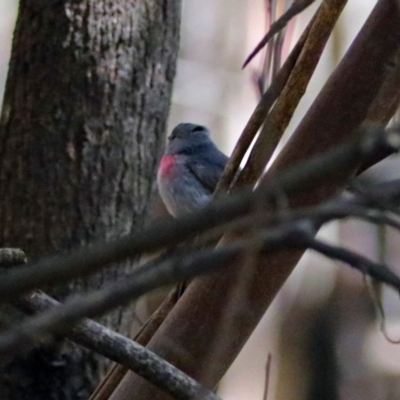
{"x": 188, "y": 139}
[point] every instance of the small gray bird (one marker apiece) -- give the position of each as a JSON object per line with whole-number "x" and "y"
{"x": 189, "y": 170}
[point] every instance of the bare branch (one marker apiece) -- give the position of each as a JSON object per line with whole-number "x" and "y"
{"x": 260, "y": 113}
{"x": 378, "y": 271}
{"x": 116, "y": 373}
{"x": 294, "y": 235}
{"x": 154, "y": 274}
{"x": 124, "y": 351}
{"x": 267, "y": 377}
{"x": 280, "y": 116}
{"x": 328, "y": 122}
{"x": 301, "y": 178}
{"x": 297, "y": 7}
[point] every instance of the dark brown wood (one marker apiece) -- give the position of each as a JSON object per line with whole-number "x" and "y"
{"x": 114, "y": 346}
{"x": 82, "y": 125}
{"x": 279, "y": 117}
{"x": 212, "y": 321}
{"x": 118, "y": 371}
{"x": 260, "y": 113}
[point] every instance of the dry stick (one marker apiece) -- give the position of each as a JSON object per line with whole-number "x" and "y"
{"x": 363, "y": 264}
{"x": 284, "y": 108}
{"x": 100, "y": 339}
{"x": 267, "y": 377}
{"x": 290, "y": 234}
{"x": 153, "y": 275}
{"x": 260, "y": 113}
{"x": 296, "y": 8}
{"x": 329, "y": 212}
{"x": 108, "y": 384}
{"x": 336, "y": 208}
{"x": 171, "y": 271}
{"x": 85, "y": 261}
{"x": 122, "y": 350}
{"x": 177, "y": 268}
{"x": 340, "y": 108}
{"x": 297, "y": 234}
{"x": 305, "y": 176}
{"x": 60, "y": 318}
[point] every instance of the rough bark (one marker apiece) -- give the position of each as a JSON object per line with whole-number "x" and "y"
{"x": 82, "y": 126}
{"x": 227, "y": 307}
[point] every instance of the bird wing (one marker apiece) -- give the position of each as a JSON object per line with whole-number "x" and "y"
{"x": 208, "y": 170}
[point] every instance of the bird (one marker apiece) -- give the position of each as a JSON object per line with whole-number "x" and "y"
{"x": 189, "y": 170}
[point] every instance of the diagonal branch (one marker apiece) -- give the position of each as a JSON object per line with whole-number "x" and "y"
{"x": 155, "y": 274}
{"x": 122, "y": 350}
{"x": 305, "y": 176}
{"x": 334, "y": 117}
{"x": 368, "y": 267}
{"x": 296, "y": 8}
{"x": 114, "y": 376}
{"x": 296, "y": 234}
{"x": 279, "y": 117}
{"x": 260, "y": 113}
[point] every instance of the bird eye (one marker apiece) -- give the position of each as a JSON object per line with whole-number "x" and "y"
{"x": 198, "y": 128}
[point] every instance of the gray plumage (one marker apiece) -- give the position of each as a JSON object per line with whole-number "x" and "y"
{"x": 190, "y": 169}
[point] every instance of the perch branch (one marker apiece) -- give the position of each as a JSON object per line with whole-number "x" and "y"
{"x": 298, "y": 234}
{"x": 301, "y": 178}
{"x": 124, "y": 351}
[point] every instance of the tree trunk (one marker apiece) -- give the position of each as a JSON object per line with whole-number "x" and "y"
{"x": 82, "y": 126}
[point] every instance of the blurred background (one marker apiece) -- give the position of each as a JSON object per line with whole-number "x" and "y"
{"x": 322, "y": 330}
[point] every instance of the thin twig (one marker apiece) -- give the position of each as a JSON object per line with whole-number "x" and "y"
{"x": 303, "y": 177}
{"x": 285, "y": 106}
{"x": 296, "y": 8}
{"x": 153, "y": 275}
{"x": 124, "y": 351}
{"x": 295, "y": 235}
{"x": 379, "y": 311}
{"x": 116, "y": 373}
{"x": 322, "y": 214}
{"x": 260, "y": 113}
{"x": 378, "y": 271}
{"x": 267, "y": 377}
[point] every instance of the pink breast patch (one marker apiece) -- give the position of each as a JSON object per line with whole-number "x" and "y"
{"x": 167, "y": 165}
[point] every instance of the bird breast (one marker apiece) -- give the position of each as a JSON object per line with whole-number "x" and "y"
{"x": 167, "y": 164}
